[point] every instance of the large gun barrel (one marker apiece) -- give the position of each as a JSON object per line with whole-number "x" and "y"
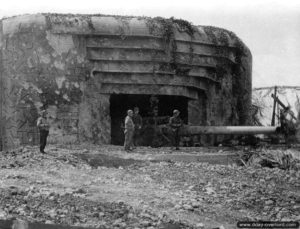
{"x": 226, "y": 130}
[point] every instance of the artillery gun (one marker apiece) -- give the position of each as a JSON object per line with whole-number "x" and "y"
{"x": 189, "y": 133}
{"x": 156, "y": 131}
{"x": 161, "y": 134}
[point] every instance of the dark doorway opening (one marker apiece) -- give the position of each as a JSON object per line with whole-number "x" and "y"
{"x": 120, "y": 103}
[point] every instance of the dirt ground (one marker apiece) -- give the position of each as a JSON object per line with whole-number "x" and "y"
{"x": 106, "y": 187}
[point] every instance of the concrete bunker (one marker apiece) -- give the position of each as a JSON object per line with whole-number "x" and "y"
{"x": 83, "y": 67}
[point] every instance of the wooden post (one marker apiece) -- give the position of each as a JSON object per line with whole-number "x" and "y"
{"x": 274, "y": 107}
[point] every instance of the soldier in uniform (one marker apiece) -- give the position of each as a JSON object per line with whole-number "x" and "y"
{"x": 129, "y": 131}
{"x": 137, "y": 121}
{"x": 43, "y": 126}
{"x": 175, "y": 123}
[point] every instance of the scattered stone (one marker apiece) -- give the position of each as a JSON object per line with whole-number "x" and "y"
{"x": 177, "y": 206}
{"x": 117, "y": 222}
{"x": 96, "y": 214}
{"x": 52, "y": 213}
{"x": 195, "y": 204}
{"x": 251, "y": 192}
{"x": 145, "y": 223}
{"x": 85, "y": 151}
{"x": 188, "y": 207}
{"x": 200, "y": 225}
{"x": 49, "y": 222}
{"x": 3, "y": 214}
{"x": 210, "y": 190}
{"x": 269, "y": 202}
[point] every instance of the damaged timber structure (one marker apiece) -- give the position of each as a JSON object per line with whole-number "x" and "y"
{"x": 87, "y": 70}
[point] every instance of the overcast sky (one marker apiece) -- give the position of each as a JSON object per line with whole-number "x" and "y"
{"x": 270, "y": 28}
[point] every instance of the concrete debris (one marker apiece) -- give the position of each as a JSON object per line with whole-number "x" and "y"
{"x": 272, "y": 159}
{"x": 62, "y": 188}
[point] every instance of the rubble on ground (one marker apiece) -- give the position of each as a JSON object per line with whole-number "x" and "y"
{"x": 60, "y": 187}
{"x": 52, "y": 208}
{"x": 271, "y": 158}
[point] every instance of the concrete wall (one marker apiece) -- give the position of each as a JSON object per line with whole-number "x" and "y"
{"x": 70, "y": 64}
{"x": 39, "y": 69}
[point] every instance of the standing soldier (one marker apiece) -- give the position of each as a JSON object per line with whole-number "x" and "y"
{"x": 175, "y": 123}
{"x": 43, "y": 126}
{"x": 137, "y": 121}
{"x": 129, "y": 130}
